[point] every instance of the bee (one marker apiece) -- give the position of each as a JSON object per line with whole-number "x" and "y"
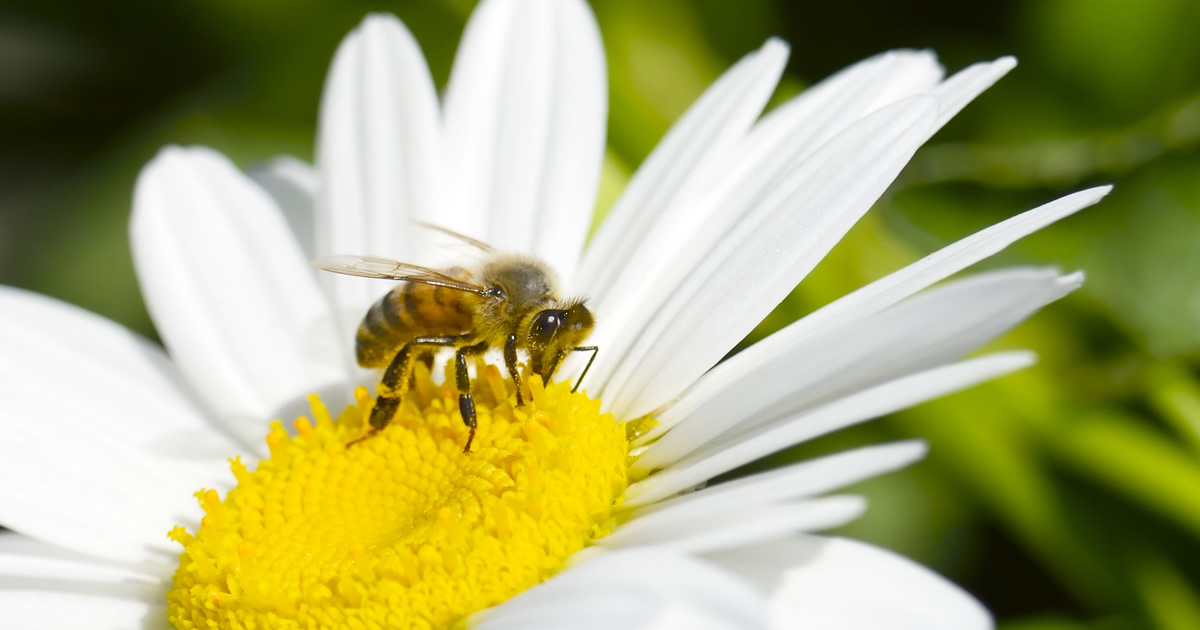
{"x": 509, "y": 301}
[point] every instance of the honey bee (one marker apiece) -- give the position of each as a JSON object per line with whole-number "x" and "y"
{"x": 509, "y": 301}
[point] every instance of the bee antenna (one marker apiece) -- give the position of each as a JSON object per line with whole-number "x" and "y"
{"x": 473, "y": 242}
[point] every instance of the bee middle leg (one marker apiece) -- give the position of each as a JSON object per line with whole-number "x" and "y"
{"x": 394, "y": 380}
{"x": 462, "y": 378}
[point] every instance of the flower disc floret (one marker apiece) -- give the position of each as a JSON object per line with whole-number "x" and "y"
{"x": 403, "y": 530}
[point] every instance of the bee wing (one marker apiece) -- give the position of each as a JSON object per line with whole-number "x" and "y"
{"x": 388, "y": 269}
{"x": 455, "y": 235}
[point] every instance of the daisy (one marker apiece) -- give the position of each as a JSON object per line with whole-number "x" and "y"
{"x": 572, "y": 511}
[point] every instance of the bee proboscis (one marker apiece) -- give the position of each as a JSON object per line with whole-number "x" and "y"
{"x": 509, "y": 301}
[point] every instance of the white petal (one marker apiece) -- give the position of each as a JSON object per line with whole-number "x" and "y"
{"x": 46, "y": 587}
{"x": 764, "y": 564}
{"x": 839, "y": 583}
{"x": 57, "y": 604}
{"x": 763, "y": 257}
{"x": 906, "y": 72}
{"x": 680, "y": 531}
{"x": 92, "y": 493}
{"x": 230, "y": 292}
{"x": 800, "y": 126}
{"x": 707, "y": 463}
{"x": 21, "y": 556}
{"x": 776, "y": 147}
{"x": 293, "y": 184}
{"x": 118, "y": 381}
{"x": 915, "y": 277}
{"x": 526, "y": 109}
{"x": 686, "y": 226}
{"x": 89, "y": 491}
{"x": 930, "y": 329}
{"x": 378, "y": 151}
{"x": 108, "y": 468}
{"x": 962, "y": 88}
{"x": 629, "y": 589}
{"x": 686, "y": 617}
{"x": 673, "y": 240}
{"x": 690, "y": 150}
{"x": 732, "y": 374}
{"x": 787, "y": 483}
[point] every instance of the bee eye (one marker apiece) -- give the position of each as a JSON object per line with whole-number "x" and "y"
{"x": 544, "y": 326}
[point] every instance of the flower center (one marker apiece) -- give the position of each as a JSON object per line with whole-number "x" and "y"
{"x": 403, "y": 530}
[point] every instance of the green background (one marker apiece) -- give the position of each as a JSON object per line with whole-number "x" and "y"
{"x": 1065, "y": 497}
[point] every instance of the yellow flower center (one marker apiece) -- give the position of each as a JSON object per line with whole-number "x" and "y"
{"x": 403, "y": 530}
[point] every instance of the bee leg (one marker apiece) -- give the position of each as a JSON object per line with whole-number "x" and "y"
{"x": 427, "y": 359}
{"x": 594, "y": 350}
{"x": 510, "y": 361}
{"x": 553, "y": 366}
{"x": 385, "y": 407}
{"x": 466, "y": 404}
{"x": 394, "y": 380}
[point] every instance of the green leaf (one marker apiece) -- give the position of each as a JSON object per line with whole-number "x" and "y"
{"x": 1170, "y": 601}
{"x": 1175, "y": 393}
{"x": 1127, "y": 456}
{"x": 1058, "y": 622}
{"x": 983, "y": 446}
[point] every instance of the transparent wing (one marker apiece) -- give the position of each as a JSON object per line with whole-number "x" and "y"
{"x": 455, "y": 235}
{"x": 388, "y": 269}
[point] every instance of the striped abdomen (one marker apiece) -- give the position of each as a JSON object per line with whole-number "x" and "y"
{"x": 410, "y": 310}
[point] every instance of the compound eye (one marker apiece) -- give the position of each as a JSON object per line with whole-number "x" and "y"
{"x": 544, "y": 326}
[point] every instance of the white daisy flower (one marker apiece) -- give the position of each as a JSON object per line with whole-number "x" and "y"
{"x": 562, "y": 517}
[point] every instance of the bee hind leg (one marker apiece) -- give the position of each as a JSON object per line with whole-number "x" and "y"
{"x": 385, "y": 408}
{"x": 466, "y": 403}
{"x": 394, "y": 380}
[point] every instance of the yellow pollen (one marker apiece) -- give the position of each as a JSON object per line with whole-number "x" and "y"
{"x": 403, "y": 530}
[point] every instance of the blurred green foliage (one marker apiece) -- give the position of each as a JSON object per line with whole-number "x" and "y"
{"x": 1066, "y": 497}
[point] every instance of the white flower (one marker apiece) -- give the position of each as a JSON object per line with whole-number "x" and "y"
{"x": 105, "y": 439}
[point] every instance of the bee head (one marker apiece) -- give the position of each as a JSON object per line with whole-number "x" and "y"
{"x": 555, "y": 331}
{"x": 560, "y": 328}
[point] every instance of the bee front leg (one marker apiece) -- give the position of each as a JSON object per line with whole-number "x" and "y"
{"x": 395, "y": 378}
{"x": 466, "y": 403}
{"x": 510, "y": 361}
{"x": 594, "y": 350}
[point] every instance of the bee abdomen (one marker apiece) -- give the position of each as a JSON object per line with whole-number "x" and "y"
{"x": 377, "y": 338}
{"x": 408, "y": 311}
